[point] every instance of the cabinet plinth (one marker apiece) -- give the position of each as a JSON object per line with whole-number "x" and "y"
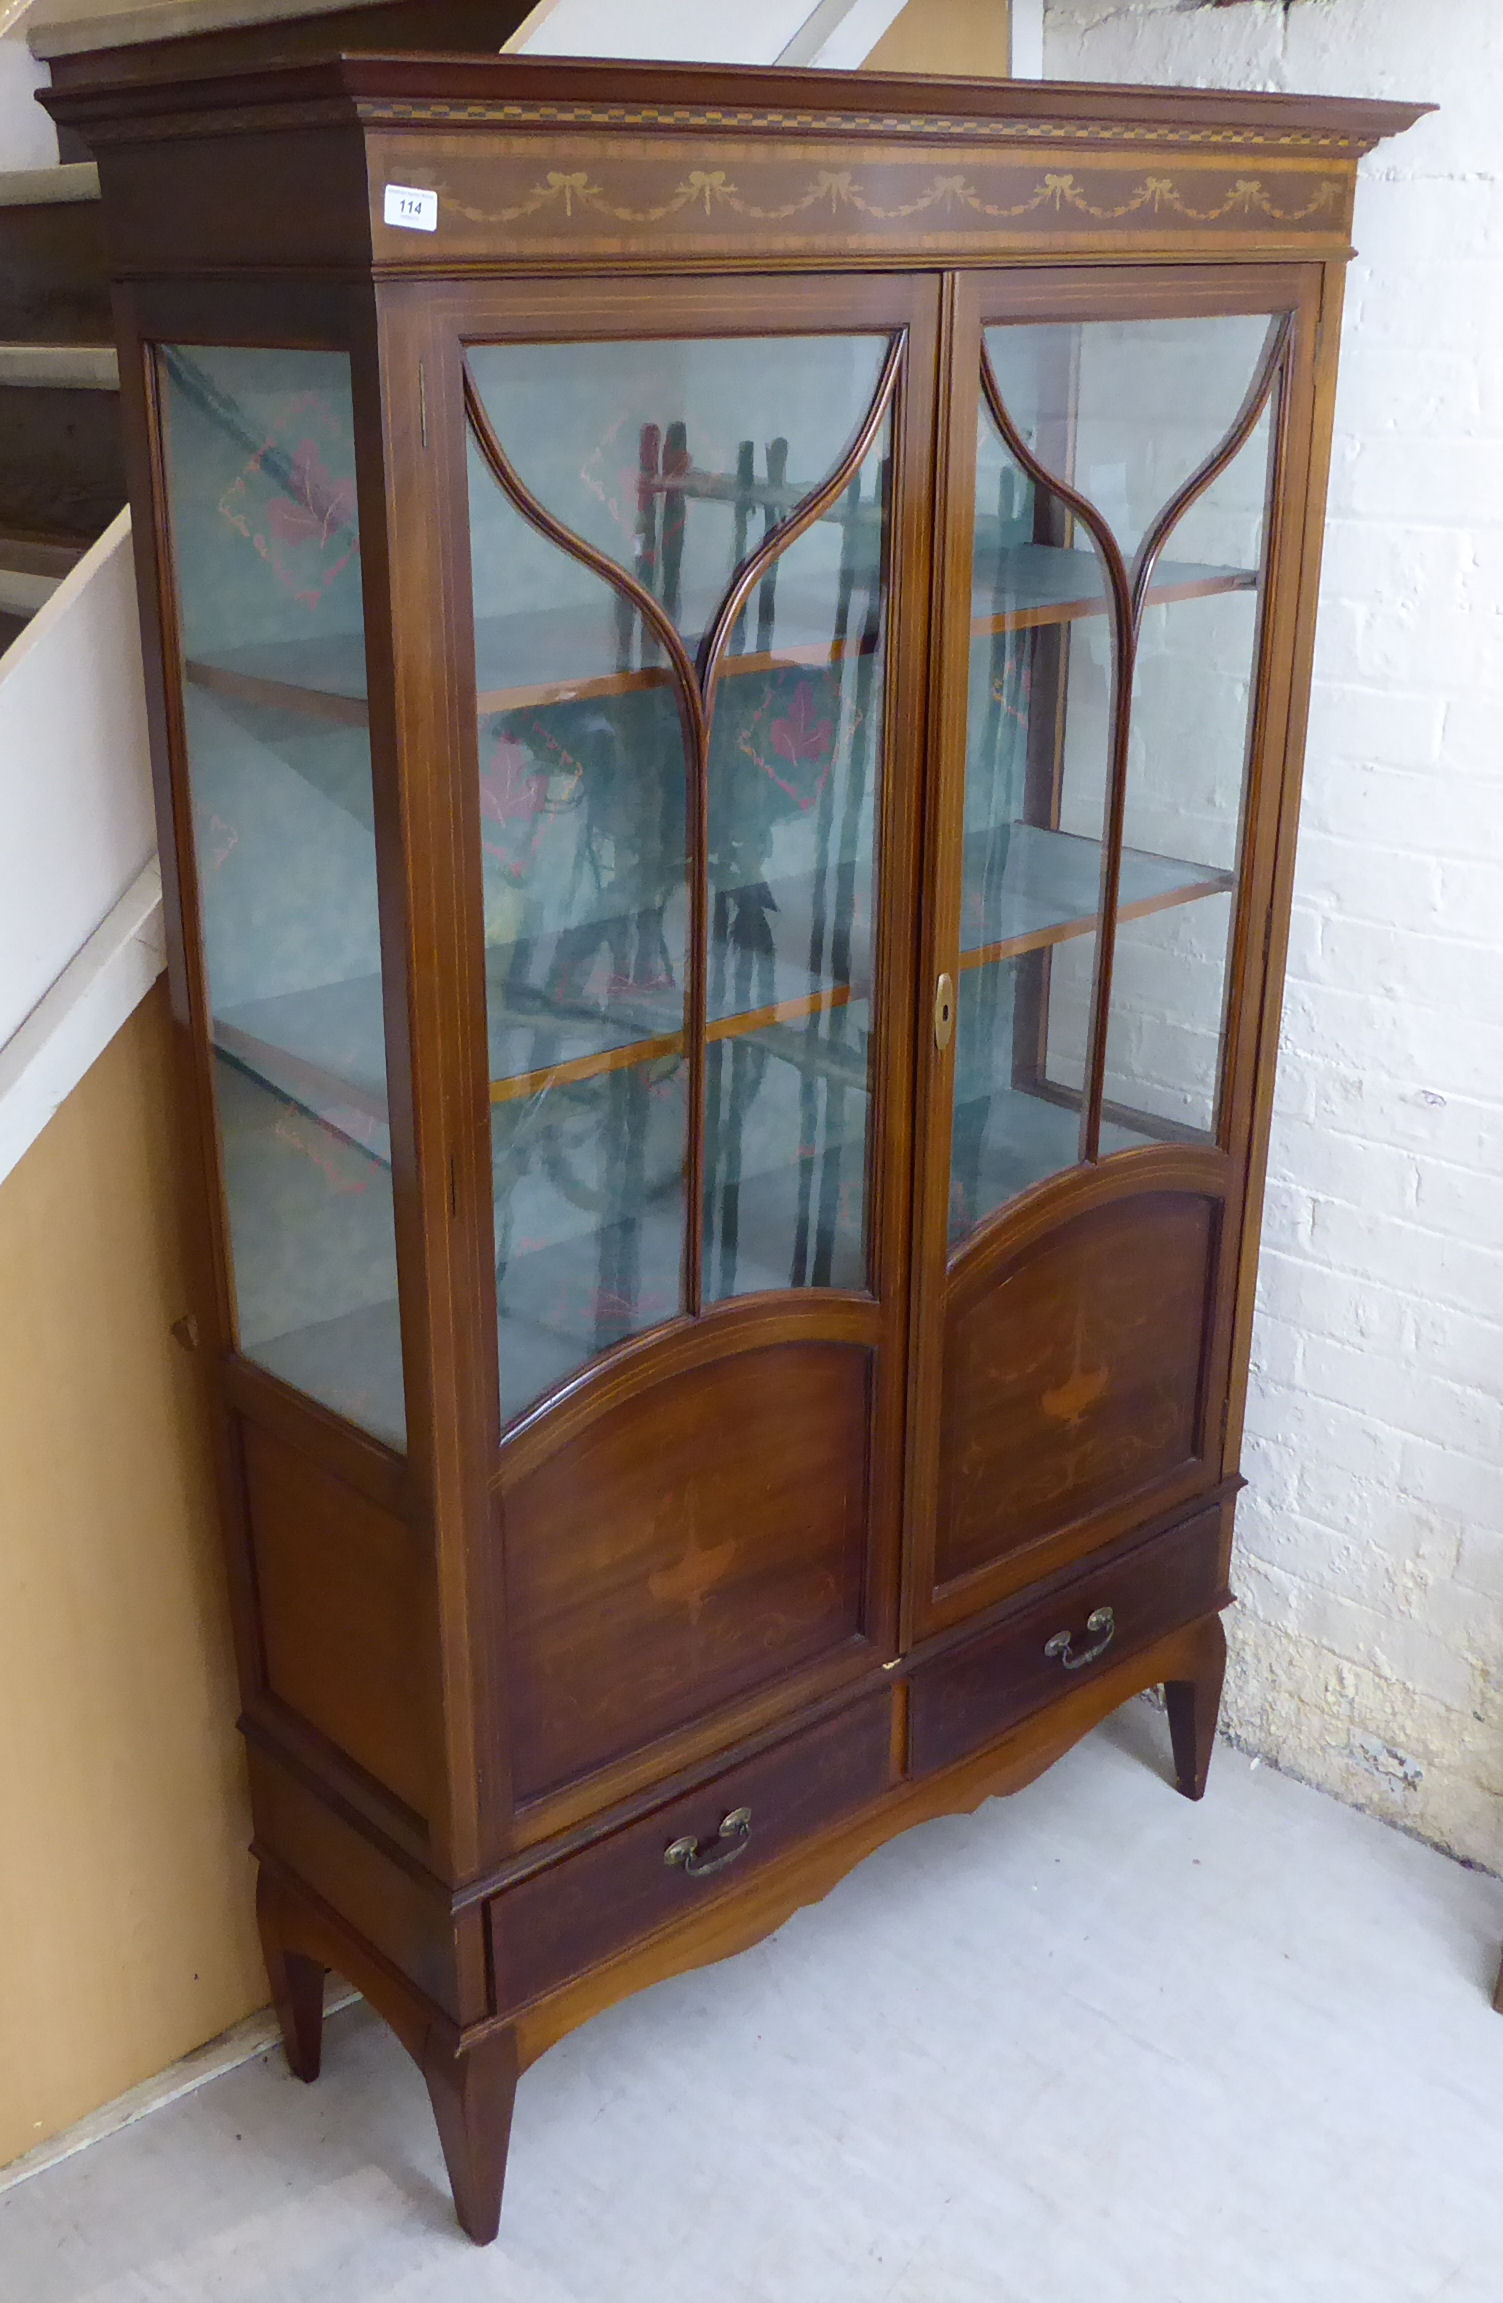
{"x": 727, "y": 726}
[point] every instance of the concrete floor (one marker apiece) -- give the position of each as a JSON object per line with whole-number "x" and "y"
{"x": 1092, "y": 2044}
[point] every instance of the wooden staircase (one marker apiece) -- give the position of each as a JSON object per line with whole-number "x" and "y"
{"x": 62, "y": 478}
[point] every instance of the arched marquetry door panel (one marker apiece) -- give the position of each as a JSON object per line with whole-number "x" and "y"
{"x": 1075, "y": 1376}
{"x": 699, "y": 570}
{"x": 698, "y": 1540}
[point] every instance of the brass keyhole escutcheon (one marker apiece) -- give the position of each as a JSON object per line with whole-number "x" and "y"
{"x": 944, "y": 1012}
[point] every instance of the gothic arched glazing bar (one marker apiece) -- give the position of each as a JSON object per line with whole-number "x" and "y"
{"x": 1206, "y": 474}
{"x": 777, "y": 542}
{"x": 1124, "y": 633}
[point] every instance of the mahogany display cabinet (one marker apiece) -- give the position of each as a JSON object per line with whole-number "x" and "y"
{"x": 728, "y": 655}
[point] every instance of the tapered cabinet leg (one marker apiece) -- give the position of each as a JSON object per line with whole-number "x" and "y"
{"x": 1194, "y": 1706}
{"x": 297, "y": 1985}
{"x": 472, "y": 2095}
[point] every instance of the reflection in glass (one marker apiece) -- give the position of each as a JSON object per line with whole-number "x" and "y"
{"x": 672, "y": 456}
{"x": 1125, "y": 411}
{"x": 794, "y": 774}
{"x": 583, "y": 781}
{"x": 1193, "y": 694}
{"x": 1035, "y": 796}
{"x": 260, "y": 458}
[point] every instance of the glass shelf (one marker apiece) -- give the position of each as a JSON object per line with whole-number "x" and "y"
{"x": 1022, "y": 586}
{"x": 323, "y": 1048}
{"x": 1017, "y": 588}
{"x": 1006, "y": 1139}
{"x": 323, "y": 678}
{"x": 1025, "y": 888}
{"x": 353, "y": 1362}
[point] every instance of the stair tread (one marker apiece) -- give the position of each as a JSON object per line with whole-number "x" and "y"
{"x": 63, "y": 184}
{"x": 24, "y": 552}
{"x": 21, "y": 594}
{"x": 70, "y": 367}
{"x": 59, "y": 29}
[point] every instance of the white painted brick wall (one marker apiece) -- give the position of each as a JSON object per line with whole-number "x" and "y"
{"x": 1368, "y": 1649}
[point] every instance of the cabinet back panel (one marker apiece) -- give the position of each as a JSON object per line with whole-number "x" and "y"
{"x": 343, "y": 1589}
{"x": 695, "y": 1543}
{"x": 1072, "y": 1378}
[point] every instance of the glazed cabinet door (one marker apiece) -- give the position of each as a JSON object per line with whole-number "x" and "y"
{"x": 697, "y": 555}
{"x": 1121, "y": 562}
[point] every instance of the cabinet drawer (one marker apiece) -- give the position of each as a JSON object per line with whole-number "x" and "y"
{"x": 968, "y": 1697}
{"x": 564, "y": 1920}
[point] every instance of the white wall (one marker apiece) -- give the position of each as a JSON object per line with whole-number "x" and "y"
{"x": 688, "y": 31}
{"x": 709, "y": 31}
{"x": 1368, "y": 1650}
{"x": 27, "y": 137}
{"x": 75, "y": 790}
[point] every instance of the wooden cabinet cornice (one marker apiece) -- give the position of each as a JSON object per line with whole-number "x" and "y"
{"x": 728, "y": 656}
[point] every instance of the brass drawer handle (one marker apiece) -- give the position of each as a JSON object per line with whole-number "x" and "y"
{"x": 735, "y": 1827}
{"x": 1101, "y": 1622}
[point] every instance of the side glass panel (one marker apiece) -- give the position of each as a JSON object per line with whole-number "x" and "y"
{"x": 1125, "y": 413}
{"x": 583, "y": 787}
{"x": 260, "y": 458}
{"x": 1193, "y": 692}
{"x": 794, "y": 774}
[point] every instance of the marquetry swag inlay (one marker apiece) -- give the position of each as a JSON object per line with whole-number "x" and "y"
{"x": 956, "y": 197}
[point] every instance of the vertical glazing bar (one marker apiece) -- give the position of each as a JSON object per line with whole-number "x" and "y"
{"x": 1124, "y": 654}
{"x": 1124, "y": 642}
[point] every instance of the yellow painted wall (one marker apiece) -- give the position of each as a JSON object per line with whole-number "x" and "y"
{"x": 970, "y": 38}
{"x": 126, "y": 1934}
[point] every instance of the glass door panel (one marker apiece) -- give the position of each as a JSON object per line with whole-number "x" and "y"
{"x": 795, "y": 763}
{"x": 260, "y": 458}
{"x": 1122, "y": 477}
{"x": 618, "y": 491}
